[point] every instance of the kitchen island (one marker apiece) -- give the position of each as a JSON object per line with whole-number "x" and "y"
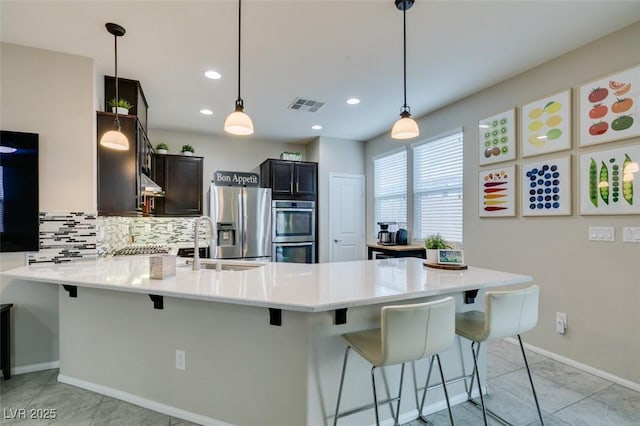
{"x": 261, "y": 345}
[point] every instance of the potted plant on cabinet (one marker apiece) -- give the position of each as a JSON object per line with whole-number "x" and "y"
{"x": 123, "y": 106}
{"x": 162, "y": 148}
{"x": 187, "y": 150}
{"x": 432, "y": 244}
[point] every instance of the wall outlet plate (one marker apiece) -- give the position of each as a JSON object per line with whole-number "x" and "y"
{"x": 561, "y": 322}
{"x": 181, "y": 360}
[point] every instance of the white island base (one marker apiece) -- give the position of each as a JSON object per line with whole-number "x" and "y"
{"x": 239, "y": 369}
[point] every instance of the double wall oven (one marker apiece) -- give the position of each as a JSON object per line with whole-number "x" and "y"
{"x": 293, "y": 233}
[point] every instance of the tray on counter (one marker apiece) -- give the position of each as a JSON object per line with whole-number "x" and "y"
{"x": 449, "y": 267}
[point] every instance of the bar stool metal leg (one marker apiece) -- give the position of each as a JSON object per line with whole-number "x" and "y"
{"x": 344, "y": 368}
{"x": 475, "y": 368}
{"x": 444, "y": 387}
{"x": 424, "y": 394}
{"x": 375, "y": 395}
{"x": 533, "y": 389}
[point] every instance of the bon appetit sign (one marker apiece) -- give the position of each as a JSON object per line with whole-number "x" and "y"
{"x": 236, "y": 179}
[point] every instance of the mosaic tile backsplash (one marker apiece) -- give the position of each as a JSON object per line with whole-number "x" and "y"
{"x": 67, "y": 236}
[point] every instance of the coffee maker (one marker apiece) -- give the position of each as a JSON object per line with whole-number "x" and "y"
{"x": 385, "y": 236}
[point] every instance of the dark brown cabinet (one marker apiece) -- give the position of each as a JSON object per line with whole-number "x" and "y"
{"x": 131, "y": 90}
{"x": 290, "y": 180}
{"x": 181, "y": 179}
{"x": 119, "y": 171}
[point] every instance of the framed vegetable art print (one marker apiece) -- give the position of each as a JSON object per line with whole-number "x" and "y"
{"x": 546, "y": 187}
{"x": 497, "y": 138}
{"x": 609, "y": 108}
{"x": 497, "y": 192}
{"x": 545, "y": 125}
{"x": 610, "y": 181}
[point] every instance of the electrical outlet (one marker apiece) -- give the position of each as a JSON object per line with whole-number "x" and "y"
{"x": 561, "y": 322}
{"x": 181, "y": 360}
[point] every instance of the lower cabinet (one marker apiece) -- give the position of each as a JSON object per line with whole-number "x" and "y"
{"x": 180, "y": 177}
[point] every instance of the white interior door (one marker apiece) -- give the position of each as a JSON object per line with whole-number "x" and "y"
{"x": 346, "y": 217}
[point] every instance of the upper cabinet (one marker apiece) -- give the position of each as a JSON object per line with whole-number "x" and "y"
{"x": 181, "y": 178}
{"x": 290, "y": 180}
{"x": 131, "y": 91}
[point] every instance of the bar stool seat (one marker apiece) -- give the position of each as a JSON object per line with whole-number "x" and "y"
{"x": 408, "y": 333}
{"x": 507, "y": 313}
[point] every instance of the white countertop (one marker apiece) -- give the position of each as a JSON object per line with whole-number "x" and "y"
{"x": 290, "y": 286}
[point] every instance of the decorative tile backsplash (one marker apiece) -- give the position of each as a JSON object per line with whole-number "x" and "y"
{"x": 67, "y": 236}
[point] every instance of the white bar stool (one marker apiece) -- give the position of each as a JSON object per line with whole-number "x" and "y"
{"x": 407, "y": 333}
{"x": 507, "y": 313}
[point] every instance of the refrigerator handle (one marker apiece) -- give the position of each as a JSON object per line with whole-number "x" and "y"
{"x": 243, "y": 222}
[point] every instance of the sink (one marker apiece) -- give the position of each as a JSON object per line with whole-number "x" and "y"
{"x": 226, "y": 265}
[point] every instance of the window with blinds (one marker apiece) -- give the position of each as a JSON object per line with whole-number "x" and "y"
{"x": 437, "y": 188}
{"x": 390, "y": 187}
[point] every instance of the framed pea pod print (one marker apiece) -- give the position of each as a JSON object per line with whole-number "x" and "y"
{"x": 609, "y": 108}
{"x": 497, "y": 138}
{"x": 610, "y": 181}
{"x": 546, "y": 187}
{"x": 545, "y": 125}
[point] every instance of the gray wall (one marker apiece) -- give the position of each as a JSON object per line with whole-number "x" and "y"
{"x": 595, "y": 283}
{"x": 51, "y": 94}
{"x": 333, "y": 156}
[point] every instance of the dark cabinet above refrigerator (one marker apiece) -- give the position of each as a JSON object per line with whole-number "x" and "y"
{"x": 290, "y": 180}
{"x": 180, "y": 177}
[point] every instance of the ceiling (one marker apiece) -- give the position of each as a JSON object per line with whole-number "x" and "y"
{"x": 321, "y": 50}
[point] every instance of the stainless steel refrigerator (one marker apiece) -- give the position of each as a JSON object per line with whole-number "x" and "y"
{"x": 242, "y": 222}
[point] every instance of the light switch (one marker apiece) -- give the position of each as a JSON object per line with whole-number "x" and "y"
{"x": 602, "y": 233}
{"x": 631, "y": 234}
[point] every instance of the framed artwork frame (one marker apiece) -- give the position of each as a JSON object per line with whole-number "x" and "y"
{"x": 610, "y": 108}
{"x": 545, "y": 125}
{"x": 497, "y": 138}
{"x": 608, "y": 179}
{"x": 497, "y": 192}
{"x": 546, "y": 187}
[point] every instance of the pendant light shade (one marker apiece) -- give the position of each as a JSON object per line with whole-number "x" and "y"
{"x": 115, "y": 139}
{"x": 238, "y": 122}
{"x": 406, "y": 127}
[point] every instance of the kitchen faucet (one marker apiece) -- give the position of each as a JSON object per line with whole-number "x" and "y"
{"x": 196, "y": 250}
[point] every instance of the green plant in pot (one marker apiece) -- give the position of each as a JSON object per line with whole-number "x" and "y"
{"x": 123, "y": 105}
{"x": 187, "y": 150}
{"x": 432, "y": 244}
{"x": 162, "y": 148}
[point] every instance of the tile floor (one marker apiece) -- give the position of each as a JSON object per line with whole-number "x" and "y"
{"x": 567, "y": 396}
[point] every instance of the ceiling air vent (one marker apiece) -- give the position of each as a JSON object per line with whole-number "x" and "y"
{"x": 300, "y": 104}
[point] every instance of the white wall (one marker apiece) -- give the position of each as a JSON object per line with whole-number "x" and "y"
{"x": 51, "y": 94}
{"x": 224, "y": 153}
{"x": 595, "y": 283}
{"x": 333, "y": 156}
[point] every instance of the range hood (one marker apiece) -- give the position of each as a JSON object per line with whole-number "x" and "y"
{"x": 149, "y": 187}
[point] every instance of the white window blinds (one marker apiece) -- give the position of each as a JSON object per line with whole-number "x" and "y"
{"x": 390, "y": 183}
{"x": 437, "y": 188}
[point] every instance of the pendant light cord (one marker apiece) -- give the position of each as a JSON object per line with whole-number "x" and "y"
{"x": 239, "y": 44}
{"x": 404, "y": 26}
{"x": 115, "y": 42}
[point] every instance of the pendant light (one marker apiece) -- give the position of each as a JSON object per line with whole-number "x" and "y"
{"x": 114, "y": 138}
{"x": 406, "y": 127}
{"x": 239, "y": 123}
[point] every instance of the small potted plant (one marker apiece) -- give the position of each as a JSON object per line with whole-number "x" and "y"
{"x": 123, "y": 106}
{"x": 187, "y": 150}
{"x": 162, "y": 148}
{"x": 433, "y": 243}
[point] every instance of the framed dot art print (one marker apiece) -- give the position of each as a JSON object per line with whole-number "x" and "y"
{"x": 497, "y": 138}
{"x": 546, "y": 187}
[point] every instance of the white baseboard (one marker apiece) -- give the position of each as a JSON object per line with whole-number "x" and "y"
{"x": 142, "y": 402}
{"x": 35, "y": 367}
{"x": 580, "y": 366}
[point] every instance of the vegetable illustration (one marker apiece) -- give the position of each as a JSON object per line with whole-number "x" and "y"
{"x": 622, "y": 105}
{"x": 598, "y": 111}
{"x": 535, "y": 113}
{"x": 536, "y": 125}
{"x": 623, "y": 122}
{"x": 627, "y": 180}
{"x": 598, "y": 128}
{"x": 553, "y": 107}
{"x": 615, "y": 179}
{"x": 625, "y": 89}
{"x": 593, "y": 182}
{"x": 614, "y": 85}
{"x": 555, "y": 120}
{"x": 603, "y": 186}
{"x": 598, "y": 94}
{"x": 554, "y": 134}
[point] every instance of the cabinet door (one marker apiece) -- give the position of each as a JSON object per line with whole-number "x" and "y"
{"x": 281, "y": 178}
{"x": 305, "y": 179}
{"x": 181, "y": 179}
{"x": 117, "y": 170}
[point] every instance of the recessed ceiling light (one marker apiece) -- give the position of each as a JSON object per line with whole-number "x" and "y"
{"x": 316, "y": 127}
{"x": 353, "y": 101}
{"x": 213, "y": 75}
{"x": 206, "y": 112}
